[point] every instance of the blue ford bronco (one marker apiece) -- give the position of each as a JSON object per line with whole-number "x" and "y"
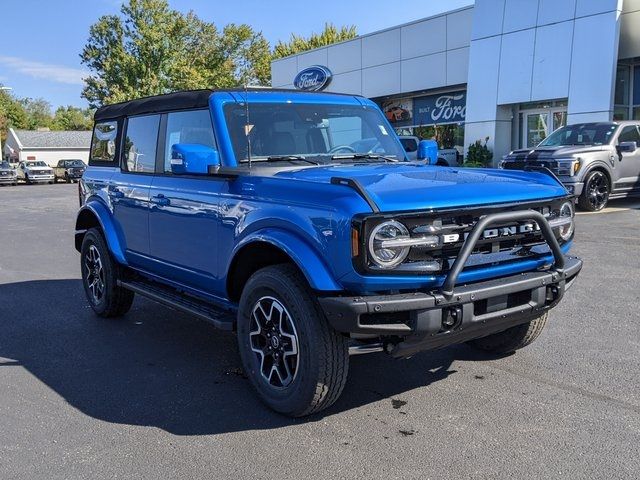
{"x": 296, "y": 220}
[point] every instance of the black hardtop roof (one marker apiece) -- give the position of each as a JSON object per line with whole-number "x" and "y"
{"x": 182, "y": 100}
{"x": 156, "y": 103}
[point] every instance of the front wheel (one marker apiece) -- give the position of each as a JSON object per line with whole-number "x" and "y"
{"x": 512, "y": 339}
{"x": 295, "y": 360}
{"x": 100, "y": 277}
{"x": 596, "y": 192}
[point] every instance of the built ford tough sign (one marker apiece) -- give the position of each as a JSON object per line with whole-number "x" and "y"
{"x": 295, "y": 219}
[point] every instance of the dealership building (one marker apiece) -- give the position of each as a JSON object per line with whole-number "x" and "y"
{"x": 511, "y": 71}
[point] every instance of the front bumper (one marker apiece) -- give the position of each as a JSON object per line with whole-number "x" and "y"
{"x": 478, "y": 309}
{"x": 425, "y": 320}
{"x": 574, "y": 188}
{"x": 41, "y": 178}
{"x": 8, "y": 179}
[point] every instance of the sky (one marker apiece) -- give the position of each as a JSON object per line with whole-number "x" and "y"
{"x": 40, "y": 41}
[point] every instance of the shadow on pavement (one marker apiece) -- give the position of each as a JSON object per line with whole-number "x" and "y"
{"x": 156, "y": 367}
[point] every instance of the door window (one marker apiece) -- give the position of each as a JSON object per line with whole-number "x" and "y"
{"x": 537, "y": 128}
{"x": 103, "y": 143}
{"x": 187, "y": 127}
{"x": 629, "y": 134}
{"x": 140, "y": 144}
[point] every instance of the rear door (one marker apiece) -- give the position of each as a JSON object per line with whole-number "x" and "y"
{"x": 129, "y": 187}
{"x": 183, "y": 216}
{"x": 629, "y": 164}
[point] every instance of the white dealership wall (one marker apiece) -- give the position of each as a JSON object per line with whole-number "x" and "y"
{"x": 507, "y": 52}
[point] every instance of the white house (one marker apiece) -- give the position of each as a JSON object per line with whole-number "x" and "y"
{"x": 46, "y": 145}
{"x": 509, "y": 70}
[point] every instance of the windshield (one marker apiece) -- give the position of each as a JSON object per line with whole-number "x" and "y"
{"x": 36, "y": 164}
{"x": 310, "y": 131}
{"x": 580, "y": 134}
{"x": 74, "y": 163}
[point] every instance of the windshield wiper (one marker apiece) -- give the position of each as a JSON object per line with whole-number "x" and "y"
{"x": 289, "y": 158}
{"x": 363, "y": 156}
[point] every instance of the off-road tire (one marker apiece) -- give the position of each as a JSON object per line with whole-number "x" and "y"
{"x": 583, "y": 200}
{"x": 115, "y": 301}
{"x": 512, "y": 339}
{"x": 323, "y": 353}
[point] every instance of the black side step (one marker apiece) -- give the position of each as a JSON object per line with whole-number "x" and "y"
{"x": 222, "y": 319}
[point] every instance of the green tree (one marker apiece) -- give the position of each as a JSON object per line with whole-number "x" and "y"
{"x": 328, "y": 36}
{"x": 72, "y": 118}
{"x": 12, "y": 114}
{"x": 38, "y": 112}
{"x": 151, "y": 49}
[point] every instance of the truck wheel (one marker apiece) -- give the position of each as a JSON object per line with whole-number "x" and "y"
{"x": 100, "y": 277}
{"x": 596, "y": 192}
{"x": 55, "y": 179}
{"x": 512, "y": 339}
{"x": 67, "y": 178}
{"x": 297, "y": 363}
{"x": 26, "y": 180}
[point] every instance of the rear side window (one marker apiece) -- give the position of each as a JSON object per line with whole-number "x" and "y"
{"x": 103, "y": 143}
{"x": 192, "y": 127}
{"x": 629, "y": 134}
{"x": 140, "y": 144}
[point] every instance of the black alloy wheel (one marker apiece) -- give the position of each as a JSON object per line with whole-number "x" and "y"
{"x": 596, "y": 192}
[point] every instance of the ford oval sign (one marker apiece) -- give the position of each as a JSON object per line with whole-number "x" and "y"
{"x": 313, "y": 78}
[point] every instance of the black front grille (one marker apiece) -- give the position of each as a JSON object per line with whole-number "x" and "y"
{"x": 510, "y": 242}
{"x": 533, "y": 164}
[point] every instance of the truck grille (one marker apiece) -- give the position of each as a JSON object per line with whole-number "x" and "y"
{"x": 40, "y": 172}
{"x": 512, "y": 242}
{"x": 522, "y": 164}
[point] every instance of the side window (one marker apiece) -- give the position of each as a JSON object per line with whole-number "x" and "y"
{"x": 630, "y": 134}
{"x": 103, "y": 142}
{"x": 140, "y": 144}
{"x": 187, "y": 127}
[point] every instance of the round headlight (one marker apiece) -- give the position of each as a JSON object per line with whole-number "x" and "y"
{"x": 381, "y": 252}
{"x": 566, "y": 212}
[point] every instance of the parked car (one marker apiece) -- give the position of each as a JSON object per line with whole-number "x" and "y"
{"x": 7, "y": 174}
{"x": 595, "y": 161}
{"x": 69, "y": 170}
{"x": 33, "y": 171}
{"x": 296, "y": 220}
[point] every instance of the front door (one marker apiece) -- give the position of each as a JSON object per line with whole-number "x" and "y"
{"x": 628, "y": 162}
{"x": 538, "y": 124}
{"x": 183, "y": 218}
{"x": 129, "y": 188}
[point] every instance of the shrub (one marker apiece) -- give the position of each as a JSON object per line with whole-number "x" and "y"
{"x": 479, "y": 154}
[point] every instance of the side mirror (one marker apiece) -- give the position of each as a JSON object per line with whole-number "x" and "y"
{"x": 428, "y": 151}
{"x": 627, "y": 147}
{"x": 193, "y": 158}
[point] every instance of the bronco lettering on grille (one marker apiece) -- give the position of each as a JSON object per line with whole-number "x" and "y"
{"x": 497, "y": 232}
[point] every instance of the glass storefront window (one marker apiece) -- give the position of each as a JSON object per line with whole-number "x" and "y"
{"x": 623, "y": 86}
{"x": 559, "y": 119}
{"x": 621, "y": 113}
{"x": 537, "y": 128}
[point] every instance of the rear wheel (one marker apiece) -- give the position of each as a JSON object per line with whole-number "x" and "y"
{"x": 596, "y": 192}
{"x": 512, "y": 339}
{"x": 100, "y": 277}
{"x": 297, "y": 363}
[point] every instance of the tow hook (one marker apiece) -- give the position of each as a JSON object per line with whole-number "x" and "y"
{"x": 451, "y": 318}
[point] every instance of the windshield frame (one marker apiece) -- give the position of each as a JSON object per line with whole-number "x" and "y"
{"x": 322, "y": 101}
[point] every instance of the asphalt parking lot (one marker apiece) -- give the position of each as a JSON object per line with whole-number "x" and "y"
{"x": 161, "y": 395}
